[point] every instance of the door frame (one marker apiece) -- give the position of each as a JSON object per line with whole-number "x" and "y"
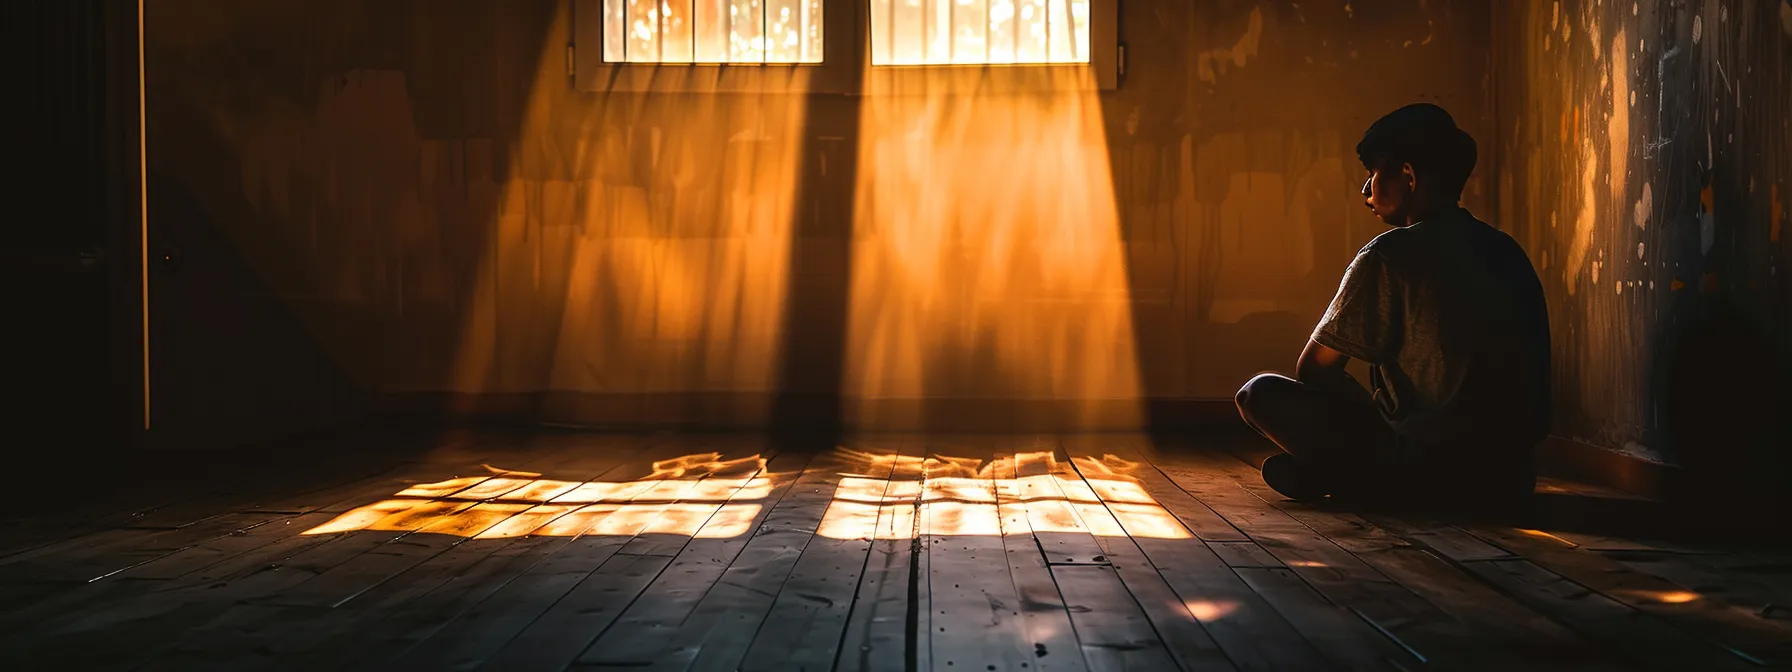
{"x": 128, "y": 225}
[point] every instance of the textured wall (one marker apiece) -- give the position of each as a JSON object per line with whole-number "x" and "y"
{"x": 1233, "y": 158}
{"x": 1647, "y": 163}
{"x": 417, "y": 183}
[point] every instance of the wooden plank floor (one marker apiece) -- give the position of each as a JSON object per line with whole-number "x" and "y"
{"x": 562, "y": 550}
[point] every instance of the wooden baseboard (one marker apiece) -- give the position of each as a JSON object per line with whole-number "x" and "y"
{"x": 1586, "y": 463}
{"x": 754, "y": 411}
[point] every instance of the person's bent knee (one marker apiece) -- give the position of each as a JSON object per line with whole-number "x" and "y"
{"x": 1250, "y": 397}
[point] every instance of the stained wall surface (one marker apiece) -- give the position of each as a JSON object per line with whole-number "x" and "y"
{"x": 415, "y": 190}
{"x": 1646, "y": 166}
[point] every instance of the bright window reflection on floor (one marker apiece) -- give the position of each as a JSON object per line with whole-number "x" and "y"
{"x": 881, "y": 496}
{"x": 953, "y": 496}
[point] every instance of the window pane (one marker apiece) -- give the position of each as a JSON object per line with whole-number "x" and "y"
{"x": 712, "y": 31}
{"x": 899, "y": 32}
{"x": 746, "y": 23}
{"x": 643, "y": 31}
{"x": 812, "y": 32}
{"x": 1032, "y": 33}
{"x": 938, "y": 32}
{"x": 1062, "y": 32}
{"x": 1003, "y": 40}
{"x": 615, "y": 29}
{"x": 784, "y": 31}
{"x": 970, "y": 31}
{"x": 1079, "y": 18}
{"x": 675, "y": 32}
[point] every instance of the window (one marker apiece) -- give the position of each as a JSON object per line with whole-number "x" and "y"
{"x": 625, "y": 45}
{"x": 979, "y": 32}
{"x": 712, "y": 31}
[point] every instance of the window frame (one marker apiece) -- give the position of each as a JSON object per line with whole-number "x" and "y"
{"x": 845, "y": 67}
{"x": 836, "y": 73}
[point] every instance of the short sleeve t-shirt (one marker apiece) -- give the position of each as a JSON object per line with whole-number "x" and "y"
{"x": 1450, "y": 316}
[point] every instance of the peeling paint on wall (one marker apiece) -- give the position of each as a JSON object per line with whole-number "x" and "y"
{"x": 1660, "y": 173}
{"x": 1212, "y": 64}
{"x": 1617, "y": 130}
{"x": 1586, "y": 218}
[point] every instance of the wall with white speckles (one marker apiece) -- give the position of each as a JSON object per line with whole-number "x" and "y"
{"x": 1646, "y": 161}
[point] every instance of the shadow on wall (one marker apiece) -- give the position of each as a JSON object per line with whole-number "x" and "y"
{"x": 445, "y": 214}
{"x": 327, "y": 234}
{"x": 1724, "y": 400}
{"x": 229, "y": 365}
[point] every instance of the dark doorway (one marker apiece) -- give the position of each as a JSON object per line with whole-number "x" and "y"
{"x": 67, "y": 259}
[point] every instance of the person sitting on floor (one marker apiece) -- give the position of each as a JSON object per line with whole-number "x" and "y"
{"x": 1448, "y": 313}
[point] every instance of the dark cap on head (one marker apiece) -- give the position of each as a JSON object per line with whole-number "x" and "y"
{"x": 1425, "y": 136}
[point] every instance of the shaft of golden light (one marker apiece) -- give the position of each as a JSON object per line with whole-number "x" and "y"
{"x": 987, "y": 259}
{"x": 642, "y": 241}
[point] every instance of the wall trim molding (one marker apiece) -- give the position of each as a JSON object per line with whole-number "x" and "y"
{"x": 1587, "y": 463}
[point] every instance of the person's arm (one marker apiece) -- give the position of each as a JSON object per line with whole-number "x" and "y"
{"x": 1362, "y": 322}
{"x": 1321, "y": 366}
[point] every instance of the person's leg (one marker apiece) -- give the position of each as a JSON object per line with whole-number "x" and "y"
{"x": 1493, "y": 478}
{"x": 1319, "y": 427}
{"x": 1332, "y": 436}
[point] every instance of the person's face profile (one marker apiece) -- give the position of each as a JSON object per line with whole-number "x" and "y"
{"x": 1387, "y": 192}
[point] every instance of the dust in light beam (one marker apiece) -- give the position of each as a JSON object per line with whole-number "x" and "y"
{"x": 641, "y": 240}
{"x": 987, "y": 256}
